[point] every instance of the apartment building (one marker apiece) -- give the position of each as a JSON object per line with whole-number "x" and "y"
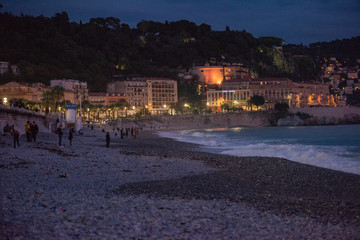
{"x": 75, "y": 91}
{"x": 156, "y": 94}
{"x": 310, "y": 94}
{"x": 104, "y": 98}
{"x": 30, "y": 92}
{"x": 237, "y": 92}
{"x": 272, "y": 89}
{"x": 162, "y": 92}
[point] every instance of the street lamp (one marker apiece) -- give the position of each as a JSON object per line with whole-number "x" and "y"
{"x": 5, "y": 100}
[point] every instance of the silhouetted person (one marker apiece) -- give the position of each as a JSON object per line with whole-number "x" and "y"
{"x": 60, "y": 133}
{"x": 107, "y": 139}
{"x": 28, "y": 131}
{"x": 71, "y": 135}
{"x": 16, "y": 135}
{"x": 34, "y": 131}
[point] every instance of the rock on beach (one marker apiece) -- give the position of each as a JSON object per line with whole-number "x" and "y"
{"x": 157, "y": 188}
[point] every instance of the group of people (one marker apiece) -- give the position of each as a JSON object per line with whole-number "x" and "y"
{"x": 31, "y": 130}
{"x": 123, "y": 132}
{"x": 60, "y": 132}
{"x": 133, "y": 131}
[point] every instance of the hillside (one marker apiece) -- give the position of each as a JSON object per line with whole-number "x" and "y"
{"x": 54, "y": 48}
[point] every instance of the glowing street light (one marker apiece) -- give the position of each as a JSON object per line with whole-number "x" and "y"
{"x": 5, "y": 100}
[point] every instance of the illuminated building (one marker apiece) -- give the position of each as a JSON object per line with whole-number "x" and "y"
{"x": 234, "y": 98}
{"x": 272, "y": 89}
{"x": 105, "y": 98}
{"x": 235, "y": 72}
{"x": 14, "y": 90}
{"x": 156, "y": 94}
{"x": 209, "y": 74}
{"x": 310, "y": 94}
{"x": 74, "y": 90}
{"x": 237, "y": 92}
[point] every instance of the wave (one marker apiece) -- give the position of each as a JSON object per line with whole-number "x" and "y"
{"x": 340, "y": 158}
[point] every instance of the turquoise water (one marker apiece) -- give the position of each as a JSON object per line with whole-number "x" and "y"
{"x": 334, "y": 147}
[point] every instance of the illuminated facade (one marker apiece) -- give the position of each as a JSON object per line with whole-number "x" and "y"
{"x": 14, "y": 90}
{"x": 137, "y": 93}
{"x": 234, "y": 98}
{"x": 209, "y": 74}
{"x": 75, "y": 91}
{"x": 235, "y": 72}
{"x": 237, "y": 92}
{"x": 156, "y": 94}
{"x": 105, "y": 98}
{"x": 272, "y": 89}
{"x": 308, "y": 95}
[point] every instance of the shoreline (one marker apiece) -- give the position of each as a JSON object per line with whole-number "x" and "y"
{"x": 152, "y": 187}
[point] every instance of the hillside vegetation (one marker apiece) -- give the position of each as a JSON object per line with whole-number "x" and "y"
{"x": 54, "y": 48}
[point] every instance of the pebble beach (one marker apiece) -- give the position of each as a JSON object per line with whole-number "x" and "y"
{"x": 150, "y": 187}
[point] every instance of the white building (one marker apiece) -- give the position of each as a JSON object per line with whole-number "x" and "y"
{"x": 4, "y": 68}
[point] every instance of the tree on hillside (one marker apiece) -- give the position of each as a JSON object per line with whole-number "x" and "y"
{"x": 257, "y": 101}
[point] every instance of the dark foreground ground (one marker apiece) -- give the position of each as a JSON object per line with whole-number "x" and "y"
{"x": 268, "y": 184}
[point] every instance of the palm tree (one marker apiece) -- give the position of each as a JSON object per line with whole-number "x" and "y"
{"x": 47, "y": 100}
{"x": 58, "y": 94}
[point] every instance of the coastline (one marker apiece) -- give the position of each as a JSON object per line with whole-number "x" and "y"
{"x": 152, "y": 187}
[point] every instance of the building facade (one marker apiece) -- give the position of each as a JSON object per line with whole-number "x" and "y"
{"x": 14, "y": 90}
{"x": 162, "y": 92}
{"x": 311, "y": 95}
{"x": 105, "y": 99}
{"x": 155, "y": 94}
{"x": 209, "y": 74}
{"x": 273, "y": 90}
{"x": 76, "y": 91}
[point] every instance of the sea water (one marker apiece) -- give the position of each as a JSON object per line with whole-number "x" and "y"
{"x": 333, "y": 147}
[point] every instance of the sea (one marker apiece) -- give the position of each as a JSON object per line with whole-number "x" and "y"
{"x": 333, "y": 147}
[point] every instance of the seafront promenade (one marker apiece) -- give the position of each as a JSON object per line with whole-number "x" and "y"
{"x": 157, "y": 188}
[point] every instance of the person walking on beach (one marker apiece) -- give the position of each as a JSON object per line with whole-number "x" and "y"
{"x": 60, "y": 133}
{"x": 28, "y": 131}
{"x": 16, "y": 135}
{"x": 71, "y": 135}
{"x": 34, "y": 131}
{"x": 107, "y": 139}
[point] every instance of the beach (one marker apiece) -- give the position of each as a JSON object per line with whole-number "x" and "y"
{"x": 157, "y": 188}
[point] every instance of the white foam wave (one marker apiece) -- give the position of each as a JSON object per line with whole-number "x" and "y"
{"x": 320, "y": 156}
{"x": 334, "y": 157}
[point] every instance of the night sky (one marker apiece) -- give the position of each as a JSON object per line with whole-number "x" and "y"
{"x": 304, "y": 21}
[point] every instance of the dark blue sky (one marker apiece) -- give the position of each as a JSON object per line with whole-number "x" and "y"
{"x": 296, "y": 21}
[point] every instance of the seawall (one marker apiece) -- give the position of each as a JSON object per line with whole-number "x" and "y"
{"x": 330, "y": 115}
{"x": 18, "y": 117}
{"x": 319, "y": 116}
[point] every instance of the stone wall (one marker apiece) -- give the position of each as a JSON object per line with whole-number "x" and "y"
{"x": 18, "y": 118}
{"x": 250, "y": 119}
{"x": 330, "y": 115}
